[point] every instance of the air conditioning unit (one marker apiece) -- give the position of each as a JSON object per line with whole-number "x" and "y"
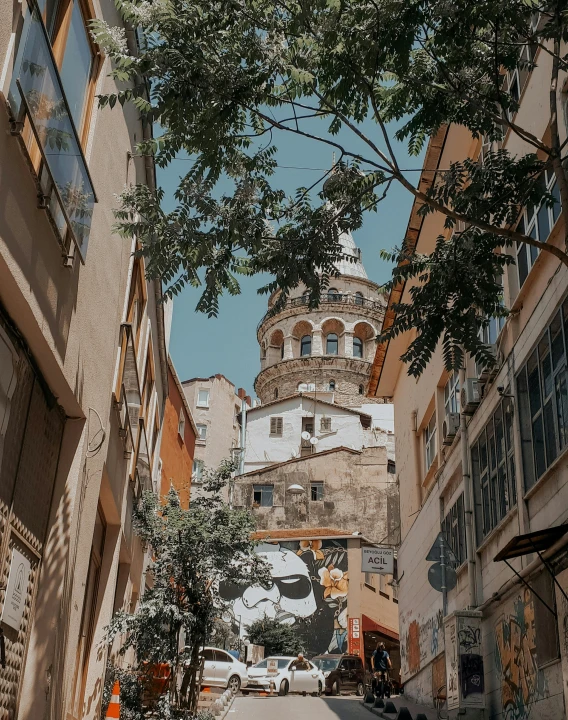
{"x": 489, "y": 372}
{"x": 450, "y": 428}
{"x": 470, "y": 396}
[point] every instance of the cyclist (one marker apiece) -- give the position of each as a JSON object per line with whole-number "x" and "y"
{"x": 381, "y": 663}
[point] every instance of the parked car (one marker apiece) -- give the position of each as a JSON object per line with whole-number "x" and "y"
{"x": 221, "y": 669}
{"x": 342, "y": 673}
{"x": 286, "y": 679}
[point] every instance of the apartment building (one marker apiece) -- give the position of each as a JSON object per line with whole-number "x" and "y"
{"x": 83, "y": 364}
{"x": 179, "y": 434}
{"x": 485, "y": 466}
{"x": 215, "y": 407}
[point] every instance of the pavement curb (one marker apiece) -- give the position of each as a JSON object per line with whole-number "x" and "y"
{"x": 376, "y": 711}
{"x": 227, "y": 707}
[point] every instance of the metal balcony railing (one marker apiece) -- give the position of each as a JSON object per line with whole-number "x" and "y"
{"x": 36, "y": 94}
{"x": 329, "y": 298}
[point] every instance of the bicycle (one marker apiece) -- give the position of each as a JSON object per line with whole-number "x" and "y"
{"x": 382, "y": 685}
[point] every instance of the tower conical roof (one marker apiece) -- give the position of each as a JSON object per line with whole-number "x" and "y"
{"x": 350, "y": 263}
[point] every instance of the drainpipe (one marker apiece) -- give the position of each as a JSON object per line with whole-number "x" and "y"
{"x": 417, "y": 460}
{"x": 468, "y": 506}
{"x": 243, "y": 435}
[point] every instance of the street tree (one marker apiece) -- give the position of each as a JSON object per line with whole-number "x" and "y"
{"x": 276, "y": 637}
{"x": 228, "y": 78}
{"x": 191, "y": 551}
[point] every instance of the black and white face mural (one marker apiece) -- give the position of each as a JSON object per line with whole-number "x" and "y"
{"x": 309, "y": 589}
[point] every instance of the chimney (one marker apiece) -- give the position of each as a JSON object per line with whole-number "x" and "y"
{"x": 241, "y": 393}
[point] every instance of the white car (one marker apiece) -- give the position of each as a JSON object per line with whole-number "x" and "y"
{"x": 221, "y": 669}
{"x": 286, "y": 679}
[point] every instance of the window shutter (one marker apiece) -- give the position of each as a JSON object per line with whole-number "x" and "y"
{"x": 326, "y": 424}
{"x": 276, "y": 426}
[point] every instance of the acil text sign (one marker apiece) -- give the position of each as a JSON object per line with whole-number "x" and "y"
{"x": 377, "y": 560}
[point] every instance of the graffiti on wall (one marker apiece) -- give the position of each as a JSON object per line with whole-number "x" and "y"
{"x": 421, "y": 643}
{"x": 522, "y": 683}
{"x": 309, "y": 588}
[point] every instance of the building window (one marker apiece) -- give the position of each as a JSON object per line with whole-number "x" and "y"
{"x": 383, "y": 586}
{"x": 537, "y": 221}
{"x": 282, "y": 351}
{"x": 197, "y": 474}
{"x": 202, "y": 432}
{"x": 332, "y": 344}
{"x": 316, "y": 489}
{"x": 453, "y": 528}
{"x": 452, "y": 394}
{"x": 307, "y": 387}
{"x": 306, "y": 345}
{"x": 333, "y": 295}
{"x": 203, "y": 398}
{"x": 137, "y": 300}
{"x": 358, "y": 298}
{"x": 276, "y": 393}
{"x": 391, "y": 467}
{"x": 276, "y": 426}
{"x": 543, "y": 400}
{"x": 430, "y": 441}
{"x": 181, "y": 423}
{"x": 325, "y": 424}
{"x": 263, "y": 495}
{"x": 357, "y": 347}
{"x": 361, "y": 389}
{"x": 331, "y": 386}
{"x": 370, "y": 581}
{"x": 493, "y": 470}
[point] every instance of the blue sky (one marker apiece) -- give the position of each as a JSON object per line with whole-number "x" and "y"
{"x": 202, "y": 346}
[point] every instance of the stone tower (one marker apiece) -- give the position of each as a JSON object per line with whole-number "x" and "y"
{"x": 327, "y": 350}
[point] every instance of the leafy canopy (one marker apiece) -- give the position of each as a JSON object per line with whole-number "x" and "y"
{"x": 228, "y": 78}
{"x": 192, "y": 550}
{"x": 277, "y": 638}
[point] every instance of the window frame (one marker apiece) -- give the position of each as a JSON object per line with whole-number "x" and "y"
{"x": 332, "y": 338}
{"x": 201, "y": 437}
{"x": 197, "y": 470}
{"x": 317, "y": 486}
{"x": 552, "y": 399}
{"x": 261, "y": 490}
{"x": 198, "y": 403}
{"x": 325, "y": 424}
{"x": 138, "y": 292}
{"x": 430, "y": 445}
{"x": 305, "y": 343}
{"x": 276, "y": 426}
{"x": 359, "y": 343}
{"x": 181, "y": 423}
{"x": 452, "y": 400}
{"x": 453, "y": 530}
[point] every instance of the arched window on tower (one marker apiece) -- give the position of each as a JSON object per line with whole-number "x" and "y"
{"x": 282, "y": 351}
{"x": 276, "y": 393}
{"x": 331, "y": 344}
{"x": 357, "y": 347}
{"x": 361, "y": 389}
{"x": 358, "y": 298}
{"x": 306, "y": 345}
{"x": 331, "y": 385}
{"x": 333, "y": 295}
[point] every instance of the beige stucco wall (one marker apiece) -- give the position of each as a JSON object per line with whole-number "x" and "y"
{"x": 426, "y": 496}
{"x": 70, "y": 319}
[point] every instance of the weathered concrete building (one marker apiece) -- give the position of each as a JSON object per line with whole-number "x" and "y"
{"x": 83, "y": 373}
{"x": 178, "y": 441}
{"x": 215, "y": 408}
{"x": 500, "y": 476}
{"x": 355, "y": 488}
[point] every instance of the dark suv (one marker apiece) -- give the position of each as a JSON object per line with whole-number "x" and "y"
{"x": 343, "y": 673}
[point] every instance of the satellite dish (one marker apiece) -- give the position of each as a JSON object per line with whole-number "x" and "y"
{"x": 306, "y": 435}
{"x": 314, "y": 441}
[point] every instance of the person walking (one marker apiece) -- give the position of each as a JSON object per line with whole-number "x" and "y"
{"x": 381, "y": 663}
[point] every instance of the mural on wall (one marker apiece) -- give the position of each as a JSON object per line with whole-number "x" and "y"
{"x": 522, "y": 683}
{"x": 421, "y": 643}
{"x": 310, "y": 584}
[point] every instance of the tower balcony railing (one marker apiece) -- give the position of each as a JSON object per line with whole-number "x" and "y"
{"x": 327, "y": 299}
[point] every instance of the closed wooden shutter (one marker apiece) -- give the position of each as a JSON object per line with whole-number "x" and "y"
{"x": 276, "y": 426}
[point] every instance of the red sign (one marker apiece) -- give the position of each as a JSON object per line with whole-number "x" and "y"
{"x": 355, "y": 636}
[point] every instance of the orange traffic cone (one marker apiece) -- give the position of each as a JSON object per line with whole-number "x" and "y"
{"x": 113, "y": 710}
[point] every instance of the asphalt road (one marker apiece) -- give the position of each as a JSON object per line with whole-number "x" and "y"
{"x": 298, "y": 707}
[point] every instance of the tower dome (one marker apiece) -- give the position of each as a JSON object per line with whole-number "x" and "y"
{"x": 328, "y": 349}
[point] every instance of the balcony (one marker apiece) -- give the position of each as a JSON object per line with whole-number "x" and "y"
{"x": 141, "y": 474}
{"x": 40, "y": 114}
{"x": 327, "y": 299}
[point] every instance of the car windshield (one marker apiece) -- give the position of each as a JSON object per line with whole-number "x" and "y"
{"x": 264, "y": 664}
{"x": 325, "y": 664}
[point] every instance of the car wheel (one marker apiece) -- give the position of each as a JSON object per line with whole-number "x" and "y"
{"x": 360, "y": 689}
{"x": 283, "y": 688}
{"x": 335, "y": 688}
{"x": 234, "y": 684}
{"x": 320, "y": 688}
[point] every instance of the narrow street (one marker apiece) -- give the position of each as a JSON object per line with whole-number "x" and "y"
{"x": 300, "y": 708}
